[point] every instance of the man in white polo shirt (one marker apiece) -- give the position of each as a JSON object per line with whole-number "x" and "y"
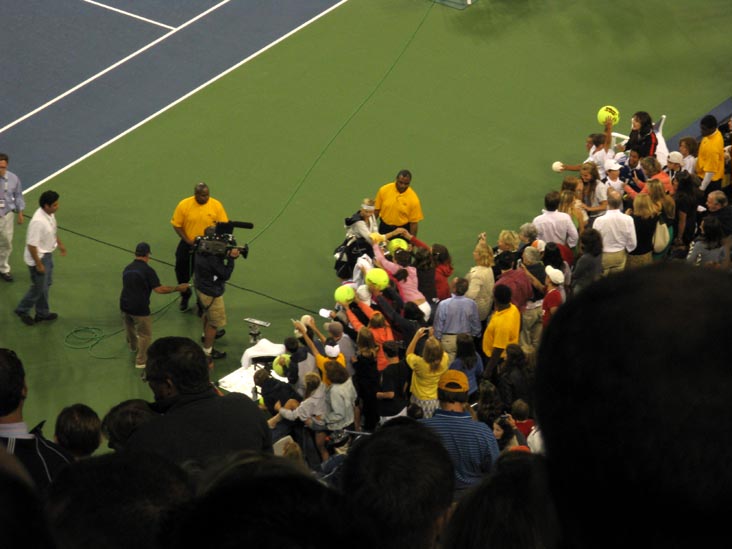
{"x": 41, "y": 240}
{"x": 618, "y": 234}
{"x": 554, "y": 226}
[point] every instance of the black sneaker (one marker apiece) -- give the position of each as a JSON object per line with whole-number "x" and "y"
{"x": 217, "y": 354}
{"x": 185, "y": 297}
{"x": 7, "y": 277}
{"x": 49, "y": 316}
{"x": 26, "y": 318}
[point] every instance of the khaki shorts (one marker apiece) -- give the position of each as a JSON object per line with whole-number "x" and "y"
{"x": 213, "y": 309}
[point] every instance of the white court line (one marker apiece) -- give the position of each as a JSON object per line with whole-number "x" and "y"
{"x": 111, "y": 67}
{"x": 129, "y": 14}
{"x": 186, "y": 96}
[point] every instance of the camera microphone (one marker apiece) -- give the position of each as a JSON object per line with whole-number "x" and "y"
{"x": 229, "y": 226}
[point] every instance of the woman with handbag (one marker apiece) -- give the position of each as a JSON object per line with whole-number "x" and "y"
{"x": 645, "y": 220}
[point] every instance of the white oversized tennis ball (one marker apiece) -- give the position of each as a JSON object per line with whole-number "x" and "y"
{"x": 557, "y": 166}
{"x": 606, "y": 111}
{"x": 377, "y": 277}
{"x": 344, "y": 294}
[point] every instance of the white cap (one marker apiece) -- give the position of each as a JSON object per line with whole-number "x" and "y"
{"x": 555, "y": 275}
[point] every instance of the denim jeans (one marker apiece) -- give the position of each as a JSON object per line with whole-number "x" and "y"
{"x": 37, "y": 294}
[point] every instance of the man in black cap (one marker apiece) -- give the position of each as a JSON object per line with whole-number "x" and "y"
{"x": 138, "y": 281}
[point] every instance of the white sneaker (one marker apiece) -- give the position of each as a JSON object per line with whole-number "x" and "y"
{"x": 140, "y": 366}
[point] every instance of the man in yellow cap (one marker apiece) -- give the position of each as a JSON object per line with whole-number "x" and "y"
{"x": 471, "y": 444}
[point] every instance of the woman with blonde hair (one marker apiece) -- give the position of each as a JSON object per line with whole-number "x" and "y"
{"x": 481, "y": 280}
{"x": 508, "y": 243}
{"x": 665, "y": 207}
{"x": 594, "y": 194}
{"x": 645, "y": 219}
{"x": 426, "y": 370}
{"x": 568, "y": 204}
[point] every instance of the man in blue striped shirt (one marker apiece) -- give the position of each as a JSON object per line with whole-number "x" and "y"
{"x": 471, "y": 444}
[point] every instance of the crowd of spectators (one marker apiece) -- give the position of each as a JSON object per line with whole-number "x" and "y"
{"x": 411, "y": 419}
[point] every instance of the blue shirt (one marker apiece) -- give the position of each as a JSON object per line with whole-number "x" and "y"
{"x": 471, "y": 444}
{"x": 457, "y": 315}
{"x": 11, "y": 191}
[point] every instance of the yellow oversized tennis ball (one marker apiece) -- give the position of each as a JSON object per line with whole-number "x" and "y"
{"x": 280, "y": 364}
{"x": 606, "y": 111}
{"x": 397, "y": 244}
{"x": 344, "y": 294}
{"x": 377, "y": 277}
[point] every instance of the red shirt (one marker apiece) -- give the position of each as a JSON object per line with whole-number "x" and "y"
{"x": 553, "y": 298}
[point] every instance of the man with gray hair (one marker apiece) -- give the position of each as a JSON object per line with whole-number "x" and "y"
{"x": 618, "y": 235}
{"x": 532, "y": 312}
{"x": 718, "y": 206}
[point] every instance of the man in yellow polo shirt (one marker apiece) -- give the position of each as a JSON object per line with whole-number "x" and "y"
{"x": 502, "y": 330}
{"x": 398, "y": 205}
{"x": 710, "y": 158}
{"x": 191, "y": 217}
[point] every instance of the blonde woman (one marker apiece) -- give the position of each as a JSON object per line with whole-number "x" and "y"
{"x": 568, "y": 204}
{"x": 426, "y": 371}
{"x": 645, "y": 219}
{"x": 508, "y": 243}
{"x": 662, "y": 202}
{"x": 664, "y": 206}
{"x": 594, "y": 193}
{"x": 481, "y": 280}
{"x": 363, "y": 222}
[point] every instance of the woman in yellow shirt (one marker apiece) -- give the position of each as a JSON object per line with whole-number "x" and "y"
{"x": 426, "y": 371}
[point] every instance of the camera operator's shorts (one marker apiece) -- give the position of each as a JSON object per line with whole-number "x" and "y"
{"x": 213, "y": 309}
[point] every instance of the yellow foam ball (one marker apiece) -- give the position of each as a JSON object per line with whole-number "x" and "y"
{"x": 377, "y": 277}
{"x": 606, "y": 111}
{"x": 344, "y": 294}
{"x": 280, "y": 364}
{"x": 397, "y": 244}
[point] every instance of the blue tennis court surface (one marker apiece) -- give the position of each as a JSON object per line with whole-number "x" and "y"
{"x": 155, "y": 54}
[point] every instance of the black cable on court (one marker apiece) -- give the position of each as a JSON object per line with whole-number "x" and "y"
{"x": 88, "y": 337}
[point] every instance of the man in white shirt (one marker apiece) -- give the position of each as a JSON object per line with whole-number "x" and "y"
{"x": 41, "y": 240}
{"x": 554, "y": 226}
{"x": 618, "y": 234}
{"x": 11, "y": 203}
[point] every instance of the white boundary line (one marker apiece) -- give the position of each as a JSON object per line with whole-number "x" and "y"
{"x": 111, "y": 67}
{"x": 129, "y": 14}
{"x": 186, "y": 96}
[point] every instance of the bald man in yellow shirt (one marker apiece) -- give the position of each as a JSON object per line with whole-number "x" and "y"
{"x": 398, "y": 205}
{"x": 191, "y": 217}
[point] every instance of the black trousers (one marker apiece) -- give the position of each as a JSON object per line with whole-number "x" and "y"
{"x": 184, "y": 262}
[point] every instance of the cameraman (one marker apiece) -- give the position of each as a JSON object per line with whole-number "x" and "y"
{"x": 211, "y": 273}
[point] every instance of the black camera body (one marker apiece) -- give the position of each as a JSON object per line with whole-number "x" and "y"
{"x": 218, "y": 242}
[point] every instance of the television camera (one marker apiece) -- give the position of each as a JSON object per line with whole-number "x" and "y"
{"x": 219, "y": 239}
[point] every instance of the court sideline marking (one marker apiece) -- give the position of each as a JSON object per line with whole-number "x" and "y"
{"x": 111, "y": 67}
{"x": 184, "y": 97}
{"x": 123, "y": 12}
